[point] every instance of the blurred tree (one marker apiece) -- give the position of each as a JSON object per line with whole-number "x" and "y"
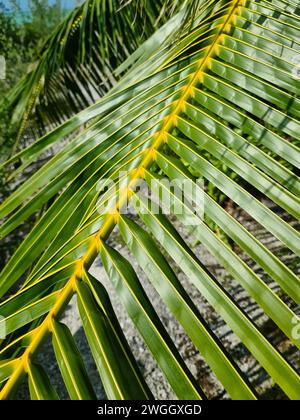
{"x": 22, "y": 32}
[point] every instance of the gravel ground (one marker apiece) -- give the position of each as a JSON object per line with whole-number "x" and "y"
{"x": 154, "y": 377}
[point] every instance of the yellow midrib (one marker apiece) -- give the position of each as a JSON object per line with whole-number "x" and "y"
{"x": 111, "y": 219}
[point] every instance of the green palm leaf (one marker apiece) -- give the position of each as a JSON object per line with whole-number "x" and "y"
{"x": 77, "y": 62}
{"x": 214, "y": 100}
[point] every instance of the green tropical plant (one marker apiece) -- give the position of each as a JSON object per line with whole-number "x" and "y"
{"x": 76, "y": 63}
{"x": 20, "y": 43}
{"x": 216, "y": 83}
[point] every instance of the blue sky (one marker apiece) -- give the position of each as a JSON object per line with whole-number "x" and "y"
{"x": 68, "y": 4}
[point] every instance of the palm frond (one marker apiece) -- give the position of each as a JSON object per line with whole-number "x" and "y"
{"x": 221, "y": 105}
{"x": 76, "y": 64}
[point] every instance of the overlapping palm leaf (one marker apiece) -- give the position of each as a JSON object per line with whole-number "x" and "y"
{"x": 77, "y": 63}
{"x": 222, "y": 100}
